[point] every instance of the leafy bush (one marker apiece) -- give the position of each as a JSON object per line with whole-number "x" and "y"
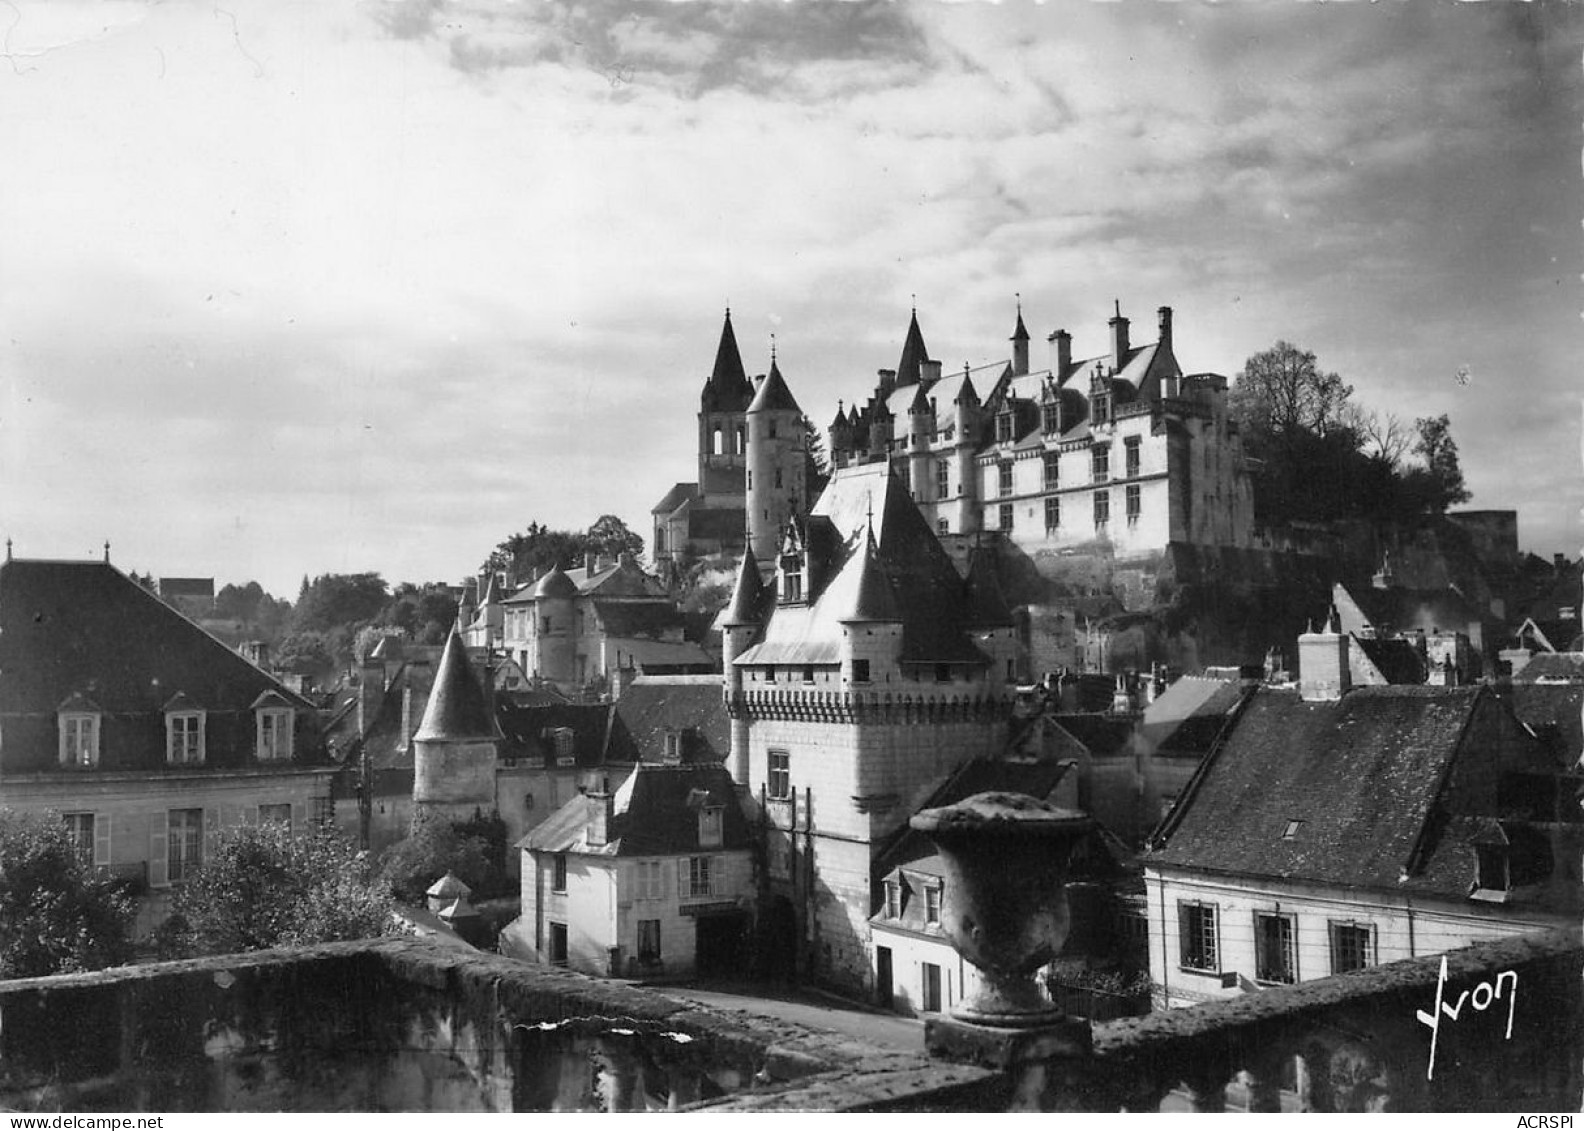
{"x": 475, "y": 850}
{"x": 56, "y": 914}
{"x": 264, "y": 885}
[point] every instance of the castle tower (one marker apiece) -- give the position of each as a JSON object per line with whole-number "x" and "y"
{"x": 777, "y": 463}
{"x": 554, "y": 632}
{"x": 456, "y": 748}
{"x": 739, "y": 624}
{"x": 915, "y": 362}
{"x": 723, "y": 405}
{"x": 1020, "y": 345}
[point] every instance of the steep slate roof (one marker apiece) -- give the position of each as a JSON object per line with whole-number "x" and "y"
{"x": 457, "y": 708}
{"x": 679, "y": 494}
{"x": 925, "y": 584}
{"x": 773, "y": 394}
{"x": 86, "y": 629}
{"x": 654, "y": 813}
{"x": 1100, "y": 734}
{"x": 555, "y": 583}
{"x": 637, "y": 618}
{"x": 914, "y": 354}
{"x": 1396, "y": 659}
{"x": 526, "y": 727}
{"x": 747, "y": 600}
{"x": 652, "y": 706}
{"x": 1365, "y": 775}
{"x": 1400, "y": 609}
{"x": 728, "y": 388}
{"x": 1553, "y": 711}
{"x": 1552, "y": 667}
{"x": 1187, "y": 716}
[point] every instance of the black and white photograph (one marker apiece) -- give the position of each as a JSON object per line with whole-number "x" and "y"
{"x": 790, "y": 556}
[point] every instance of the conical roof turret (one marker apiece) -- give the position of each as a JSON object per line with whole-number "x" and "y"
{"x": 773, "y": 394}
{"x": 870, "y": 598}
{"x": 914, "y": 354}
{"x": 1020, "y": 334}
{"x": 457, "y": 707}
{"x": 728, "y": 388}
{"x": 747, "y": 594}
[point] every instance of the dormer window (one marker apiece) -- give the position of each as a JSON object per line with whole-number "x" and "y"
{"x": 1006, "y": 426}
{"x": 893, "y": 899}
{"x": 1050, "y": 418}
{"x": 1492, "y": 866}
{"x": 673, "y": 747}
{"x": 79, "y": 738}
{"x": 273, "y": 728}
{"x": 563, "y": 746}
{"x": 932, "y": 903}
{"x": 184, "y": 737}
{"x": 710, "y": 825}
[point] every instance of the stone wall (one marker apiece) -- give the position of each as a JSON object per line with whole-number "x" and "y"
{"x": 401, "y": 1025}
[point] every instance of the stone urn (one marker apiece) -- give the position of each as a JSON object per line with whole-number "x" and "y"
{"x": 1004, "y": 906}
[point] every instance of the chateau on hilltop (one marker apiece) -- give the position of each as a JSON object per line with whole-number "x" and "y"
{"x": 1120, "y": 448}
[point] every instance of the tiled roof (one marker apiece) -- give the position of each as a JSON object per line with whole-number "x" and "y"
{"x": 1553, "y": 710}
{"x": 650, "y": 708}
{"x": 86, "y": 629}
{"x": 746, "y": 604}
{"x": 528, "y": 730}
{"x": 655, "y": 812}
{"x": 672, "y": 499}
{"x": 1553, "y": 667}
{"x": 1100, "y": 734}
{"x": 1362, "y": 777}
{"x": 555, "y": 584}
{"x": 1396, "y": 659}
{"x": 1187, "y": 716}
{"x": 637, "y": 618}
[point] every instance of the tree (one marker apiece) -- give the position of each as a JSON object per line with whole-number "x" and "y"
{"x": 609, "y": 536}
{"x": 817, "y": 464}
{"x": 1441, "y": 479}
{"x": 56, "y": 915}
{"x": 1283, "y": 391}
{"x": 307, "y": 653}
{"x": 340, "y": 600}
{"x": 474, "y": 850}
{"x": 264, "y": 885}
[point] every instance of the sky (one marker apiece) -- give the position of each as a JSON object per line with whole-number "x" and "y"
{"x": 301, "y": 288}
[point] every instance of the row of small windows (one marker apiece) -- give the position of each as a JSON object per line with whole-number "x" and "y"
{"x": 178, "y": 836}
{"x": 899, "y": 894}
{"x": 698, "y": 877}
{"x": 1007, "y": 512}
{"x": 1351, "y": 945}
{"x": 1100, "y": 467}
{"x": 185, "y": 737}
{"x": 858, "y": 672}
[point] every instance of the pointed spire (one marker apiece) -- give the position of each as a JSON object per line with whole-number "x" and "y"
{"x": 747, "y": 593}
{"x": 987, "y": 606}
{"x": 457, "y": 708}
{"x": 1020, "y": 334}
{"x": 914, "y": 353}
{"x": 728, "y": 388}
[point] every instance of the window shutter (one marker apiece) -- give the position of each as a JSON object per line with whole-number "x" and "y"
{"x": 101, "y": 839}
{"x": 159, "y": 860}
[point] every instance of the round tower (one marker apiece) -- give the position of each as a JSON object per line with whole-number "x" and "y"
{"x": 739, "y": 623}
{"x": 777, "y": 463}
{"x": 554, "y": 636}
{"x": 456, "y": 748}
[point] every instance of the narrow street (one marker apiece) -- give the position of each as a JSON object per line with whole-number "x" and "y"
{"x": 804, "y": 1007}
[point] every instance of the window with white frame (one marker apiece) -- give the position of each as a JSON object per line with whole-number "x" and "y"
{"x": 893, "y": 900}
{"x": 558, "y": 872}
{"x": 184, "y": 843}
{"x": 79, "y": 738}
{"x": 932, "y": 903}
{"x": 1101, "y": 456}
{"x": 1004, "y": 476}
{"x": 1102, "y": 508}
{"x": 1053, "y": 513}
{"x": 1198, "y": 937}
{"x": 274, "y": 734}
{"x": 184, "y": 737}
{"x": 1052, "y": 470}
{"x": 1130, "y": 455}
{"x": 1134, "y": 502}
{"x": 1004, "y": 516}
{"x": 942, "y": 479}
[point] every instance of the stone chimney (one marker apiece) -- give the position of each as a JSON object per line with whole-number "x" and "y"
{"x": 1323, "y": 672}
{"x": 1165, "y": 327}
{"x": 1119, "y": 339}
{"x": 600, "y": 820}
{"x": 929, "y": 370}
{"x": 1061, "y": 353}
{"x": 620, "y": 680}
{"x": 407, "y": 717}
{"x": 590, "y": 560}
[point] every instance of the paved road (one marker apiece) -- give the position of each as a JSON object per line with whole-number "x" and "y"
{"x": 883, "y": 1030}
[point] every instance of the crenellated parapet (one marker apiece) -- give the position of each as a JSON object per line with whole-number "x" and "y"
{"x": 882, "y": 707}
